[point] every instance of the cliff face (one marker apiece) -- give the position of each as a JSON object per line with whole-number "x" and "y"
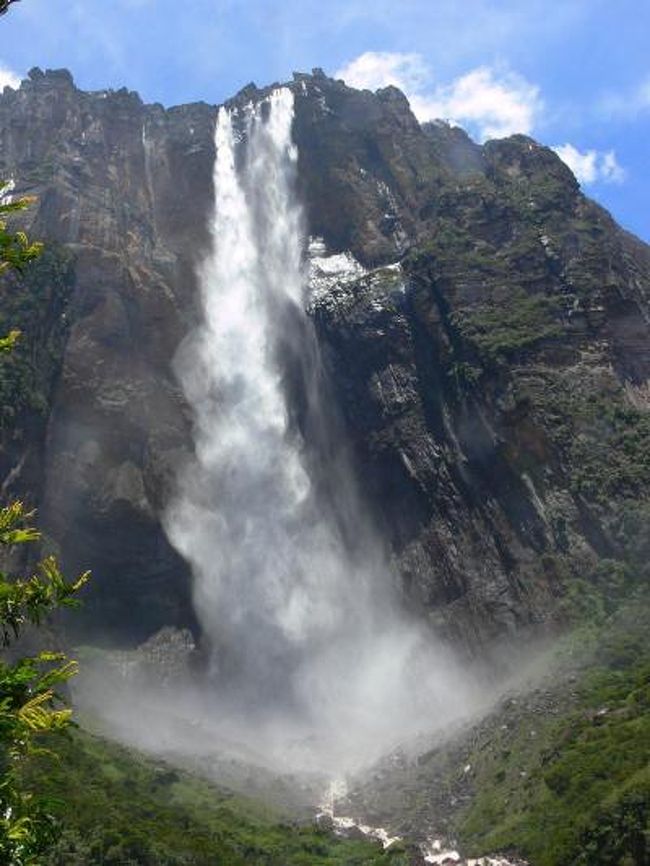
{"x": 125, "y": 189}
{"x": 494, "y": 383}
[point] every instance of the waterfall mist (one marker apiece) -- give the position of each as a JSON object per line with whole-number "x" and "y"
{"x": 312, "y": 661}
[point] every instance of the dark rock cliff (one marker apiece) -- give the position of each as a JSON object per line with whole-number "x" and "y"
{"x": 494, "y": 384}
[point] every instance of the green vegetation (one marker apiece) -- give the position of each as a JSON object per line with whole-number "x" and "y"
{"x": 122, "y": 809}
{"x": 602, "y": 437}
{"x": 452, "y": 251}
{"x": 29, "y": 705}
{"x": 16, "y": 250}
{"x": 611, "y": 453}
{"x": 589, "y": 600}
{"x": 464, "y": 375}
{"x": 593, "y": 269}
{"x": 570, "y": 783}
{"x": 501, "y": 331}
{"x": 533, "y": 180}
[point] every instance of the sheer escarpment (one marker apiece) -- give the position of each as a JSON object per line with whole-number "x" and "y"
{"x": 494, "y": 386}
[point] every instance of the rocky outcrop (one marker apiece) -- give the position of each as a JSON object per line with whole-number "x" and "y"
{"x": 494, "y": 384}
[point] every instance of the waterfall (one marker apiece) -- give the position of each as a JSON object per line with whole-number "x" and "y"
{"x": 291, "y": 585}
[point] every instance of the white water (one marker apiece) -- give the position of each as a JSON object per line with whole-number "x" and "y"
{"x": 312, "y": 660}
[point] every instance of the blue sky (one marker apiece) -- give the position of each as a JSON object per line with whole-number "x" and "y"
{"x": 574, "y": 74}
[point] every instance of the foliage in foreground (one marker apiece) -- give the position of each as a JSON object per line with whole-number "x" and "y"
{"x": 15, "y": 249}
{"x": 29, "y": 705}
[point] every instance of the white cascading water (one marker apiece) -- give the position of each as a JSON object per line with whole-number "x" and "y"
{"x": 311, "y": 658}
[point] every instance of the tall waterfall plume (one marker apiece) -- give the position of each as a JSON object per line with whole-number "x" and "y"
{"x": 307, "y": 640}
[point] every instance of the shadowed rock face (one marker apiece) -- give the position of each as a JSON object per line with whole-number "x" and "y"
{"x": 494, "y": 386}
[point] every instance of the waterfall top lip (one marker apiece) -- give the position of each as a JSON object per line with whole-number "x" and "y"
{"x": 251, "y": 94}
{"x": 301, "y": 83}
{"x": 252, "y": 91}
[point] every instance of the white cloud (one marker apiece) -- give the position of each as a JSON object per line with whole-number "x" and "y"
{"x": 497, "y": 103}
{"x": 491, "y": 102}
{"x": 591, "y": 166}
{"x": 376, "y": 69}
{"x": 583, "y": 165}
{"x": 8, "y": 78}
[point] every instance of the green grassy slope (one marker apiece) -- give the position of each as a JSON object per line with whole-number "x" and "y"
{"x": 569, "y": 782}
{"x": 120, "y": 808}
{"x": 558, "y": 771}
